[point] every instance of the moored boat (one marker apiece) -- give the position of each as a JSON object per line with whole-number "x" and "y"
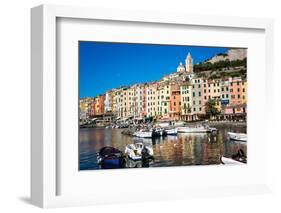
{"x": 173, "y": 131}
{"x": 197, "y": 129}
{"x": 237, "y": 136}
{"x": 230, "y": 161}
{"x": 143, "y": 134}
{"x": 110, "y": 158}
{"x": 138, "y": 151}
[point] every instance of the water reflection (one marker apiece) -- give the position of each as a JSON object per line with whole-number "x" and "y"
{"x": 181, "y": 150}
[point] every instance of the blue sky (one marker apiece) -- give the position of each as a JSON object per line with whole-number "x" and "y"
{"x": 107, "y": 65}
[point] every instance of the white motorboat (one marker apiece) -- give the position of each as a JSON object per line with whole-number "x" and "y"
{"x": 198, "y": 129}
{"x": 237, "y": 136}
{"x": 173, "y": 131}
{"x": 138, "y": 151}
{"x": 212, "y": 129}
{"x": 229, "y": 161}
{"x": 143, "y": 134}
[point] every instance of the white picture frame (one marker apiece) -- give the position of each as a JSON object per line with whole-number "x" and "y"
{"x": 44, "y": 149}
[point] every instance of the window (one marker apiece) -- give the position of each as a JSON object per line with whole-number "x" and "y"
{"x": 231, "y": 90}
{"x": 194, "y": 109}
{"x": 194, "y": 103}
{"x": 243, "y": 89}
{"x": 238, "y": 83}
{"x": 204, "y": 90}
{"x": 199, "y": 85}
{"x": 174, "y": 97}
{"x": 209, "y": 90}
{"x": 193, "y": 94}
{"x": 238, "y": 96}
{"x": 174, "y": 103}
{"x": 215, "y": 90}
{"x": 243, "y": 97}
{"x": 238, "y": 89}
{"x": 222, "y": 96}
{"x": 199, "y": 108}
{"x": 187, "y": 98}
{"x": 204, "y": 84}
{"x": 199, "y": 93}
{"x": 226, "y": 95}
{"x": 205, "y": 97}
{"x": 199, "y": 102}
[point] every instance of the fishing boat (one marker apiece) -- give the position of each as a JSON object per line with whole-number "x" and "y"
{"x": 138, "y": 151}
{"x": 173, "y": 131}
{"x": 237, "y": 136}
{"x": 143, "y": 134}
{"x": 197, "y": 129}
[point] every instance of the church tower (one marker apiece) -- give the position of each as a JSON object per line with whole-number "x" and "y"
{"x": 189, "y": 63}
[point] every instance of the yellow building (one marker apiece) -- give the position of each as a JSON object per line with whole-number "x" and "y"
{"x": 186, "y": 101}
{"x": 151, "y": 100}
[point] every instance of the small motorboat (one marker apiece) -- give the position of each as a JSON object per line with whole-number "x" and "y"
{"x": 212, "y": 129}
{"x": 111, "y": 158}
{"x": 173, "y": 131}
{"x": 237, "y": 136}
{"x": 138, "y": 151}
{"x": 230, "y": 161}
{"x": 143, "y": 134}
{"x": 197, "y": 129}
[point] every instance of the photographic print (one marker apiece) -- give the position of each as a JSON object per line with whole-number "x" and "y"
{"x": 154, "y": 105}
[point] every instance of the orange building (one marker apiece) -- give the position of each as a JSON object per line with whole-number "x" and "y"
{"x": 238, "y": 91}
{"x": 175, "y": 102}
{"x": 99, "y": 105}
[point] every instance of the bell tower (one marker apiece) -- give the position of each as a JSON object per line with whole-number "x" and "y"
{"x": 189, "y": 63}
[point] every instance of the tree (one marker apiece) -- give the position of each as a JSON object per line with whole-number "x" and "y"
{"x": 211, "y": 109}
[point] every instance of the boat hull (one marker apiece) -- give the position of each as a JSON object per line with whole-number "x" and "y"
{"x": 143, "y": 134}
{"x": 237, "y": 136}
{"x": 171, "y": 132}
{"x": 193, "y": 130}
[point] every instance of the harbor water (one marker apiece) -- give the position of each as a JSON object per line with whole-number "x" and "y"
{"x": 184, "y": 149}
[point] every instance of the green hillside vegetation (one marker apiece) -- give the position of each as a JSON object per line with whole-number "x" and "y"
{"x": 222, "y": 69}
